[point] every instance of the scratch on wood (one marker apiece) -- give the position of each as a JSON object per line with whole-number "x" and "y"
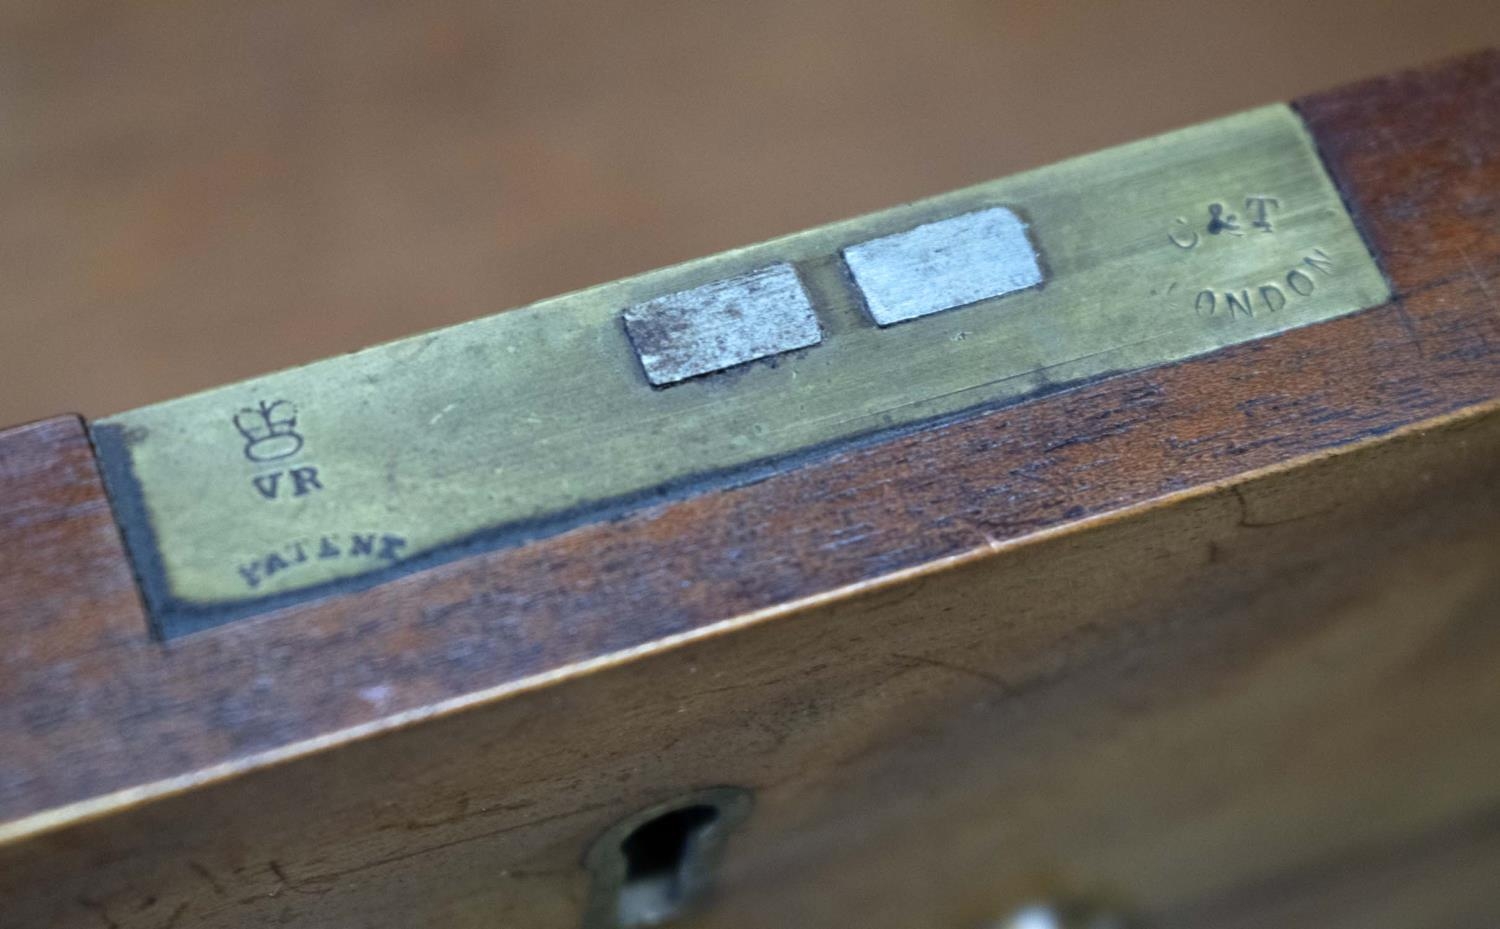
{"x": 208, "y": 877}
{"x": 330, "y": 876}
{"x": 1245, "y": 522}
{"x": 176, "y": 915}
{"x": 97, "y": 908}
{"x": 993, "y": 680}
{"x": 1409, "y": 325}
{"x": 1489, "y": 298}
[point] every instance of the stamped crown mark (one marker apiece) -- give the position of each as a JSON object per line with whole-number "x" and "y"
{"x": 270, "y": 430}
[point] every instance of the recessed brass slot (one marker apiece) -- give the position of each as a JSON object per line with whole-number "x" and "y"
{"x": 504, "y": 429}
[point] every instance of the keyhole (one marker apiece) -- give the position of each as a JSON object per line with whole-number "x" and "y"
{"x": 650, "y": 868}
{"x": 658, "y": 855}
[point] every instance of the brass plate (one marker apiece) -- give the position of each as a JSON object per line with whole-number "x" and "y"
{"x": 517, "y": 425}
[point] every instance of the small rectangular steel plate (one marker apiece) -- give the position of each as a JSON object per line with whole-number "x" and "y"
{"x": 944, "y": 264}
{"x": 722, "y": 324}
{"x": 353, "y": 469}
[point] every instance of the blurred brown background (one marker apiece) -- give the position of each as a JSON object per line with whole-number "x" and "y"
{"x": 192, "y": 193}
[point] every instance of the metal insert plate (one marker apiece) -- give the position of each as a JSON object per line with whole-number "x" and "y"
{"x": 352, "y": 469}
{"x": 722, "y": 324}
{"x": 944, "y": 264}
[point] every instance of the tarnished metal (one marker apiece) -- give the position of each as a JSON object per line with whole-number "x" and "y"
{"x": 722, "y": 324}
{"x": 522, "y": 423}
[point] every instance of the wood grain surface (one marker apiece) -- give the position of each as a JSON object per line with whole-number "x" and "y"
{"x": 1201, "y": 629}
{"x": 1273, "y": 702}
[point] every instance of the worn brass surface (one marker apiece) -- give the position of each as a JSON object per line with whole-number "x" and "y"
{"x": 517, "y": 424}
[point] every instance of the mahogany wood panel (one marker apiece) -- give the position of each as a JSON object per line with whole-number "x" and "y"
{"x": 106, "y": 709}
{"x": 1262, "y": 700}
{"x": 68, "y": 605}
